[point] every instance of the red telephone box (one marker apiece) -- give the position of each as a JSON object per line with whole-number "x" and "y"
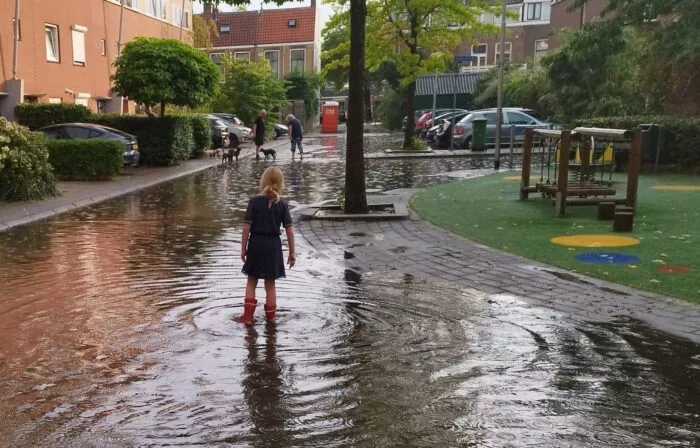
{"x": 329, "y": 113}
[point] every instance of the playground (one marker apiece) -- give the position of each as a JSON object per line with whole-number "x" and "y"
{"x": 659, "y": 254}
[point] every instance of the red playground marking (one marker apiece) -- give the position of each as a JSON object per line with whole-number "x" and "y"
{"x": 675, "y": 269}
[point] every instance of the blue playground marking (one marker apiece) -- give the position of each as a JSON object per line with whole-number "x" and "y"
{"x": 607, "y": 258}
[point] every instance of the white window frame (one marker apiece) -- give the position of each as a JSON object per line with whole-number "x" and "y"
{"x": 78, "y": 44}
{"x": 509, "y": 52}
{"x": 228, "y": 28}
{"x": 543, "y": 52}
{"x": 55, "y": 45}
{"x": 480, "y": 56}
{"x": 246, "y": 53}
{"x": 277, "y": 72}
{"x": 156, "y": 8}
{"x": 177, "y": 16}
{"x": 103, "y": 47}
{"x": 303, "y": 68}
{"x": 55, "y": 100}
{"x": 133, "y": 4}
{"x": 536, "y": 6}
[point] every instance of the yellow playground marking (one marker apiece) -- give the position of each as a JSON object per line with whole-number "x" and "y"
{"x": 595, "y": 240}
{"x": 676, "y": 187}
{"x": 518, "y": 178}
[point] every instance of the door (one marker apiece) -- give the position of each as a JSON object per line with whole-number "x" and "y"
{"x": 520, "y": 121}
{"x": 490, "y": 127}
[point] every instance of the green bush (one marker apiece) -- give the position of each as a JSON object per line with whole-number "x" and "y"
{"x": 25, "y": 172}
{"x": 36, "y": 116}
{"x": 418, "y": 144}
{"x": 680, "y": 136}
{"x": 86, "y": 159}
{"x": 162, "y": 141}
{"x": 201, "y": 135}
{"x": 391, "y": 110}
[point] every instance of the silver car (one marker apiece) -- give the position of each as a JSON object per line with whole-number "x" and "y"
{"x": 516, "y": 117}
{"x": 238, "y": 132}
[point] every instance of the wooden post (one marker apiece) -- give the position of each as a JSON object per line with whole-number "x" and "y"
{"x": 585, "y": 160}
{"x": 527, "y": 160}
{"x": 633, "y": 167}
{"x": 562, "y": 174}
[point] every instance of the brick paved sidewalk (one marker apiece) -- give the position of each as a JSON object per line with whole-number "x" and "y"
{"x": 421, "y": 249}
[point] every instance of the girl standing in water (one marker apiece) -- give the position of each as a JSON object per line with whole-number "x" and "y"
{"x": 261, "y": 246}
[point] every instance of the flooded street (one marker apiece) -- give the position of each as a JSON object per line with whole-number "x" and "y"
{"x": 116, "y": 330}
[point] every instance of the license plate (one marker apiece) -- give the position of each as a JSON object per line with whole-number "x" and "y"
{"x": 135, "y": 147}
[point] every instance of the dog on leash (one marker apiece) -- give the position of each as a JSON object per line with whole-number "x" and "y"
{"x": 229, "y": 154}
{"x": 269, "y": 152}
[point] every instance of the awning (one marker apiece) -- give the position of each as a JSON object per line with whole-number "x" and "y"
{"x": 104, "y": 98}
{"x": 34, "y": 95}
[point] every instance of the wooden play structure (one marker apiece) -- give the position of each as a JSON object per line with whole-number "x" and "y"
{"x": 575, "y": 180}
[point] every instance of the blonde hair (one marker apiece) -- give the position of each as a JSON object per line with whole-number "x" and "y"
{"x": 272, "y": 183}
{"x": 290, "y": 117}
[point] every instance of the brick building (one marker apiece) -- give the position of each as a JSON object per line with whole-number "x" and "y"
{"x": 528, "y": 34}
{"x": 289, "y": 38}
{"x": 562, "y": 18}
{"x": 66, "y": 49}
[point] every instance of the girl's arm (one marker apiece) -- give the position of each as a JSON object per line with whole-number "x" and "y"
{"x": 291, "y": 260}
{"x": 244, "y": 241}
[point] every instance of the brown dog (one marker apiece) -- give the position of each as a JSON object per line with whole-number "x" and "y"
{"x": 230, "y": 153}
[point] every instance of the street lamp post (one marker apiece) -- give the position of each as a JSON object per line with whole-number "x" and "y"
{"x": 499, "y": 105}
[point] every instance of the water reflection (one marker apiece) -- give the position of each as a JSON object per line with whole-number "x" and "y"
{"x": 115, "y": 330}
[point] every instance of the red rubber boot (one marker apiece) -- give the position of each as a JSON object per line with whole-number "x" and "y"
{"x": 248, "y": 310}
{"x": 270, "y": 312}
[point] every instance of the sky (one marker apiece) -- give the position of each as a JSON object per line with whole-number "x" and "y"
{"x": 254, "y": 5}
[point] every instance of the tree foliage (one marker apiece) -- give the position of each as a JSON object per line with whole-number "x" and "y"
{"x": 203, "y": 31}
{"x": 154, "y": 71}
{"x": 249, "y": 87}
{"x": 304, "y": 86}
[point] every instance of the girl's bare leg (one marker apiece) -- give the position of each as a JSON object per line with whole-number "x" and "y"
{"x": 270, "y": 300}
{"x": 250, "y": 287}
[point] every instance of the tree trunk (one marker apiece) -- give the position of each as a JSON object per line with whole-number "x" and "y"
{"x": 355, "y": 191}
{"x": 410, "y": 97}
{"x": 368, "y": 105}
{"x": 162, "y": 109}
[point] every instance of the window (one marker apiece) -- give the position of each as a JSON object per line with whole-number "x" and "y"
{"x": 51, "y": 36}
{"x": 297, "y": 57}
{"x": 78, "y": 38}
{"x": 292, "y": 23}
{"x": 132, "y": 3}
{"x": 225, "y": 28}
{"x": 187, "y": 20}
{"x": 479, "y": 51}
{"x": 216, "y": 59}
{"x": 82, "y": 101}
{"x": 76, "y": 132}
{"x": 156, "y": 8}
{"x": 116, "y": 50}
{"x": 242, "y": 55}
{"x": 55, "y": 100}
{"x": 541, "y": 49}
{"x": 518, "y": 118}
{"x": 101, "y": 106}
{"x": 176, "y": 16}
{"x": 533, "y": 11}
{"x": 273, "y": 58}
{"x": 490, "y": 117}
{"x": 506, "y": 53}
{"x": 103, "y": 47}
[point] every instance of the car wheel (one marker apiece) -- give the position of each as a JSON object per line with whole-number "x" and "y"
{"x": 468, "y": 144}
{"x": 277, "y": 135}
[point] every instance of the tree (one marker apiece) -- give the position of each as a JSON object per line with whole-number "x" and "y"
{"x": 203, "y": 29}
{"x": 304, "y": 86}
{"x": 155, "y": 71}
{"x": 249, "y": 87}
{"x": 420, "y": 36}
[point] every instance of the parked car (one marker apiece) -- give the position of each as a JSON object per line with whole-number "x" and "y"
{"x": 233, "y": 118}
{"x": 421, "y": 123}
{"x": 88, "y": 130}
{"x": 431, "y": 123}
{"x": 442, "y": 122}
{"x": 219, "y": 131}
{"x": 417, "y": 114}
{"x": 512, "y": 116}
{"x": 237, "y": 133}
{"x": 278, "y": 130}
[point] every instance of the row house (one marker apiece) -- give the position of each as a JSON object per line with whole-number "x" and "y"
{"x": 64, "y": 51}
{"x": 563, "y": 17}
{"x": 290, "y": 38}
{"x": 528, "y": 35}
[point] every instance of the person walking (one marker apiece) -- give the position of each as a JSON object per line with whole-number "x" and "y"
{"x": 261, "y": 246}
{"x": 296, "y": 134}
{"x": 259, "y": 132}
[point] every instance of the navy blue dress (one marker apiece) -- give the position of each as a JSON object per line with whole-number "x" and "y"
{"x": 264, "y": 254}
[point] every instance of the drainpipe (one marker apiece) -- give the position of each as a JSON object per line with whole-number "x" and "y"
{"x": 182, "y": 18}
{"x": 15, "y": 41}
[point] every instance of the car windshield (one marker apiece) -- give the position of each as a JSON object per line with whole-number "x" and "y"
{"x": 467, "y": 118}
{"x": 115, "y": 131}
{"x": 533, "y": 114}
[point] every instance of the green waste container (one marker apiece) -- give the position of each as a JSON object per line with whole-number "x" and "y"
{"x": 479, "y": 134}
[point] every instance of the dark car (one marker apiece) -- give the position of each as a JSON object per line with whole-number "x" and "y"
{"x": 87, "y": 130}
{"x": 279, "y": 130}
{"x": 232, "y": 118}
{"x": 219, "y": 132}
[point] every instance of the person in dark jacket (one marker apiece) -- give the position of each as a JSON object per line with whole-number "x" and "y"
{"x": 259, "y": 132}
{"x": 296, "y": 134}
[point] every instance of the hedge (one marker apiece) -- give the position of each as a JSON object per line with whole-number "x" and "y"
{"x": 162, "y": 141}
{"x": 36, "y": 116}
{"x": 86, "y": 159}
{"x": 680, "y": 136}
{"x": 25, "y": 172}
{"x": 201, "y": 135}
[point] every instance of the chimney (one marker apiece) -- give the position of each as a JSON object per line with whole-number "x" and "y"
{"x": 208, "y": 8}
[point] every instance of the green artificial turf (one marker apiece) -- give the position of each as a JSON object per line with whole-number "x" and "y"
{"x": 487, "y": 210}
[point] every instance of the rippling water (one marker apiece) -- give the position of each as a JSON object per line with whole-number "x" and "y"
{"x": 115, "y": 330}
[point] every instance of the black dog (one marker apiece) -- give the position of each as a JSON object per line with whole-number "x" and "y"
{"x": 269, "y": 152}
{"x": 230, "y": 153}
